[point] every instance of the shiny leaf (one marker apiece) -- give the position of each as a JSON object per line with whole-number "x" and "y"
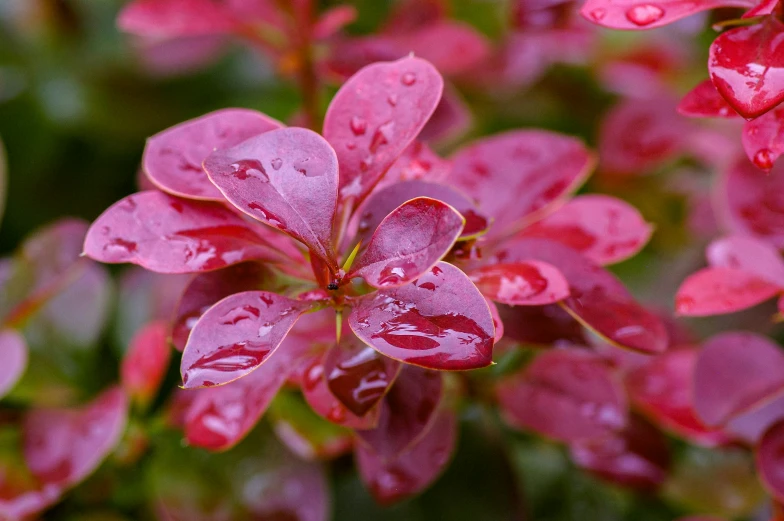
{"x": 13, "y": 359}
{"x": 749, "y": 255}
{"x": 531, "y": 283}
{"x": 704, "y": 101}
{"x": 714, "y": 291}
{"x": 636, "y": 15}
{"x": 763, "y": 139}
{"x": 754, "y": 202}
{"x": 144, "y": 365}
{"x": 439, "y": 321}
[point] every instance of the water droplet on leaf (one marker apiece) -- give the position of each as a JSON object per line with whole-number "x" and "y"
{"x": 644, "y": 14}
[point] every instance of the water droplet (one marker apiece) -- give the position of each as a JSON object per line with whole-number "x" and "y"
{"x": 351, "y": 145}
{"x": 408, "y": 79}
{"x": 277, "y": 163}
{"x": 247, "y": 168}
{"x": 644, "y": 14}
{"x": 382, "y": 136}
{"x": 763, "y": 159}
{"x": 597, "y": 14}
{"x": 392, "y": 100}
{"x": 120, "y": 245}
{"x": 358, "y": 125}
{"x": 366, "y": 163}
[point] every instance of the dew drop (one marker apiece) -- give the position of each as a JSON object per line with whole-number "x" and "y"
{"x": 351, "y": 145}
{"x": 644, "y": 14}
{"x": 392, "y": 100}
{"x": 358, "y": 126}
{"x": 408, "y": 79}
{"x": 763, "y": 159}
{"x": 246, "y": 168}
{"x": 597, "y": 15}
{"x": 382, "y": 136}
{"x": 277, "y": 163}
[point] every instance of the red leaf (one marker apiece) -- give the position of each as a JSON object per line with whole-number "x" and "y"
{"x": 662, "y": 388}
{"x": 451, "y": 120}
{"x": 749, "y": 426}
{"x": 633, "y": 14}
{"x": 603, "y": 228}
{"x": 746, "y": 68}
{"x": 413, "y": 470}
{"x": 749, "y": 255}
{"x": 735, "y": 372}
{"x": 144, "y": 365}
{"x": 452, "y": 47}
{"x": 64, "y": 446}
{"x": 408, "y": 243}
{"x": 171, "y": 18}
{"x": 439, "y": 321}
{"x": 375, "y": 115}
{"x": 763, "y": 139}
{"x": 286, "y": 178}
{"x": 754, "y": 202}
{"x": 769, "y": 460}
{"x": 407, "y": 413}
{"x": 497, "y": 322}
{"x": 517, "y": 176}
{"x": 236, "y": 335}
{"x": 166, "y": 234}
{"x": 333, "y": 20}
{"x": 541, "y": 325}
{"x": 357, "y": 375}
{"x": 13, "y": 359}
{"x": 417, "y": 162}
{"x": 567, "y": 395}
{"x": 208, "y": 288}
{"x": 715, "y": 291}
{"x": 173, "y": 158}
{"x": 597, "y": 299}
{"x": 382, "y": 202}
{"x": 531, "y": 283}
{"x": 704, "y": 101}
{"x": 636, "y": 457}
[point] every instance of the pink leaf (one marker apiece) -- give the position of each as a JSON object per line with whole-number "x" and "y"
{"x": 749, "y": 255}
{"x": 637, "y": 457}
{"x": 603, "y": 228}
{"x": 704, "y": 101}
{"x": 567, "y": 395}
{"x": 286, "y": 178}
{"x": 413, "y": 470}
{"x": 769, "y": 460}
{"x": 375, "y": 115}
{"x": 519, "y": 175}
{"x": 716, "y": 291}
{"x": 144, "y": 365}
{"x": 408, "y": 243}
{"x": 235, "y": 336}
{"x": 451, "y": 120}
{"x": 746, "y": 68}
{"x": 166, "y": 234}
{"x": 531, "y": 283}
{"x": 417, "y": 163}
{"x": 64, "y": 446}
{"x": 439, "y": 321}
{"x": 497, "y": 322}
{"x": 735, "y": 372}
{"x": 173, "y": 158}
{"x": 407, "y": 413}
{"x": 749, "y": 426}
{"x": 171, "y": 18}
{"x": 13, "y": 359}
{"x": 633, "y": 14}
{"x": 208, "y": 288}
{"x": 754, "y": 202}
{"x": 333, "y": 20}
{"x": 357, "y": 375}
{"x": 763, "y": 139}
{"x": 597, "y": 299}
{"x": 452, "y": 47}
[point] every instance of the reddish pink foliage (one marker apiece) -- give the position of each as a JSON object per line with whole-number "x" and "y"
{"x": 531, "y": 283}
{"x": 763, "y": 139}
{"x": 13, "y": 359}
{"x": 749, "y": 426}
{"x": 634, "y": 14}
{"x": 714, "y": 291}
{"x": 146, "y": 361}
{"x": 746, "y": 68}
{"x": 747, "y": 254}
{"x": 567, "y": 395}
{"x": 704, "y": 101}
{"x": 754, "y": 203}
{"x": 769, "y": 460}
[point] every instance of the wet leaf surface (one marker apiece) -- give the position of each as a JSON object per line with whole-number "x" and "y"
{"x": 531, "y": 283}
{"x": 715, "y": 291}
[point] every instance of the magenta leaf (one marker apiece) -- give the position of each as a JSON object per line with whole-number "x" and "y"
{"x": 769, "y": 460}
{"x": 358, "y": 375}
{"x": 439, "y": 321}
{"x": 375, "y": 115}
{"x": 566, "y": 395}
{"x": 763, "y": 139}
{"x": 286, "y": 178}
{"x": 408, "y": 243}
{"x": 704, "y": 101}
{"x": 735, "y": 372}
{"x": 13, "y": 359}
{"x": 754, "y": 202}
{"x": 64, "y": 446}
{"x": 418, "y": 162}
{"x": 171, "y": 18}
{"x": 749, "y": 426}
{"x": 597, "y": 299}
{"x": 452, "y": 47}
{"x": 541, "y": 325}
{"x": 746, "y": 67}
{"x": 407, "y": 412}
{"x": 637, "y": 457}
{"x": 144, "y": 365}
{"x": 208, "y": 288}
{"x": 530, "y": 283}
{"x": 715, "y": 291}
{"x": 382, "y": 202}
{"x": 451, "y": 120}
{"x": 603, "y": 228}
{"x": 636, "y": 15}
{"x": 747, "y": 254}
{"x": 413, "y": 470}
{"x": 166, "y": 234}
{"x": 518, "y": 176}
{"x": 173, "y": 158}
{"x": 235, "y": 336}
